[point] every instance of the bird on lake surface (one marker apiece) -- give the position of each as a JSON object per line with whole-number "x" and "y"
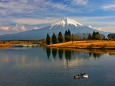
{"x": 76, "y": 76}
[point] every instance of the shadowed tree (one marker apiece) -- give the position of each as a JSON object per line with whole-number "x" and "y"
{"x": 60, "y": 37}
{"x": 94, "y": 35}
{"x": 89, "y": 37}
{"x": 66, "y": 36}
{"x": 54, "y": 39}
{"x": 69, "y": 35}
{"x": 48, "y": 39}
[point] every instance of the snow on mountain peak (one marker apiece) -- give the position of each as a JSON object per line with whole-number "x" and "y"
{"x": 66, "y": 21}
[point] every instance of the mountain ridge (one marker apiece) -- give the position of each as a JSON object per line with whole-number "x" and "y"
{"x": 60, "y": 25}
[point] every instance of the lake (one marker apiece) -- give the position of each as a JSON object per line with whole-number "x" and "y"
{"x": 56, "y": 67}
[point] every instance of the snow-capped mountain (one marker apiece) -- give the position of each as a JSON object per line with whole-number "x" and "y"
{"x": 66, "y": 22}
{"x": 60, "y": 25}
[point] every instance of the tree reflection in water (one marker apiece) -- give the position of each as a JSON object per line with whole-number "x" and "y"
{"x": 48, "y": 50}
{"x": 69, "y": 54}
{"x": 60, "y": 53}
{"x": 54, "y": 53}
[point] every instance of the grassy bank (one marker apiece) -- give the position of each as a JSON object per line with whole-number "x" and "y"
{"x": 92, "y": 44}
{"x": 12, "y": 42}
{"x": 5, "y": 45}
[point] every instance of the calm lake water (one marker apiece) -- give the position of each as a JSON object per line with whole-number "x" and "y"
{"x": 52, "y": 67}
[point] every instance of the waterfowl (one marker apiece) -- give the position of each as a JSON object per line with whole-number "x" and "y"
{"x": 85, "y": 76}
{"x": 81, "y": 75}
{"x": 77, "y": 76}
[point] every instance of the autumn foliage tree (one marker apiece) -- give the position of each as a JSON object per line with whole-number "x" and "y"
{"x": 95, "y": 36}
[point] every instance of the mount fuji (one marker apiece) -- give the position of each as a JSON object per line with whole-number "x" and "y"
{"x": 60, "y": 25}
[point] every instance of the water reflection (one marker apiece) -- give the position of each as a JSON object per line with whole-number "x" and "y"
{"x": 32, "y": 67}
{"x": 54, "y": 53}
{"x": 48, "y": 52}
{"x": 36, "y": 56}
{"x": 95, "y": 55}
{"x": 60, "y": 53}
{"x": 69, "y": 54}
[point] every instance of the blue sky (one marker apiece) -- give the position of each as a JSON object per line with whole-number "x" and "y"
{"x": 97, "y": 13}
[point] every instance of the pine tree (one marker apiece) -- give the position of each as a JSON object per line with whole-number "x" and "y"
{"x": 54, "y": 39}
{"x": 60, "y": 37}
{"x": 69, "y": 35}
{"x": 94, "y": 35}
{"x": 48, "y": 39}
{"x": 66, "y": 36}
{"x": 89, "y": 37}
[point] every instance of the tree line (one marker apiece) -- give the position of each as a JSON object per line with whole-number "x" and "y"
{"x": 58, "y": 39}
{"x": 70, "y": 37}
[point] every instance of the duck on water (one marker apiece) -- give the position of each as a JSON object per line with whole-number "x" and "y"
{"x": 81, "y": 75}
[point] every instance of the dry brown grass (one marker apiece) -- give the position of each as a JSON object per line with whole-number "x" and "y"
{"x": 86, "y": 44}
{"x": 5, "y": 45}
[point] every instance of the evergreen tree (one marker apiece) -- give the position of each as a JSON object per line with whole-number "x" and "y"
{"x": 54, "y": 39}
{"x": 60, "y": 37}
{"x": 69, "y": 35}
{"x": 94, "y": 35}
{"x": 89, "y": 37}
{"x": 48, "y": 39}
{"x": 66, "y": 36}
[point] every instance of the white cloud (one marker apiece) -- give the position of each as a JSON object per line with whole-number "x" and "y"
{"x": 80, "y": 2}
{"x": 31, "y": 21}
{"x": 14, "y": 6}
{"x": 35, "y": 27}
{"x": 19, "y": 28}
{"x": 109, "y": 7}
{"x": 4, "y": 28}
{"x": 98, "y": 28}
{"x": 42, "y": 7}
{"x": 23, "y": 28}
{"x": 103, "y": 23}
